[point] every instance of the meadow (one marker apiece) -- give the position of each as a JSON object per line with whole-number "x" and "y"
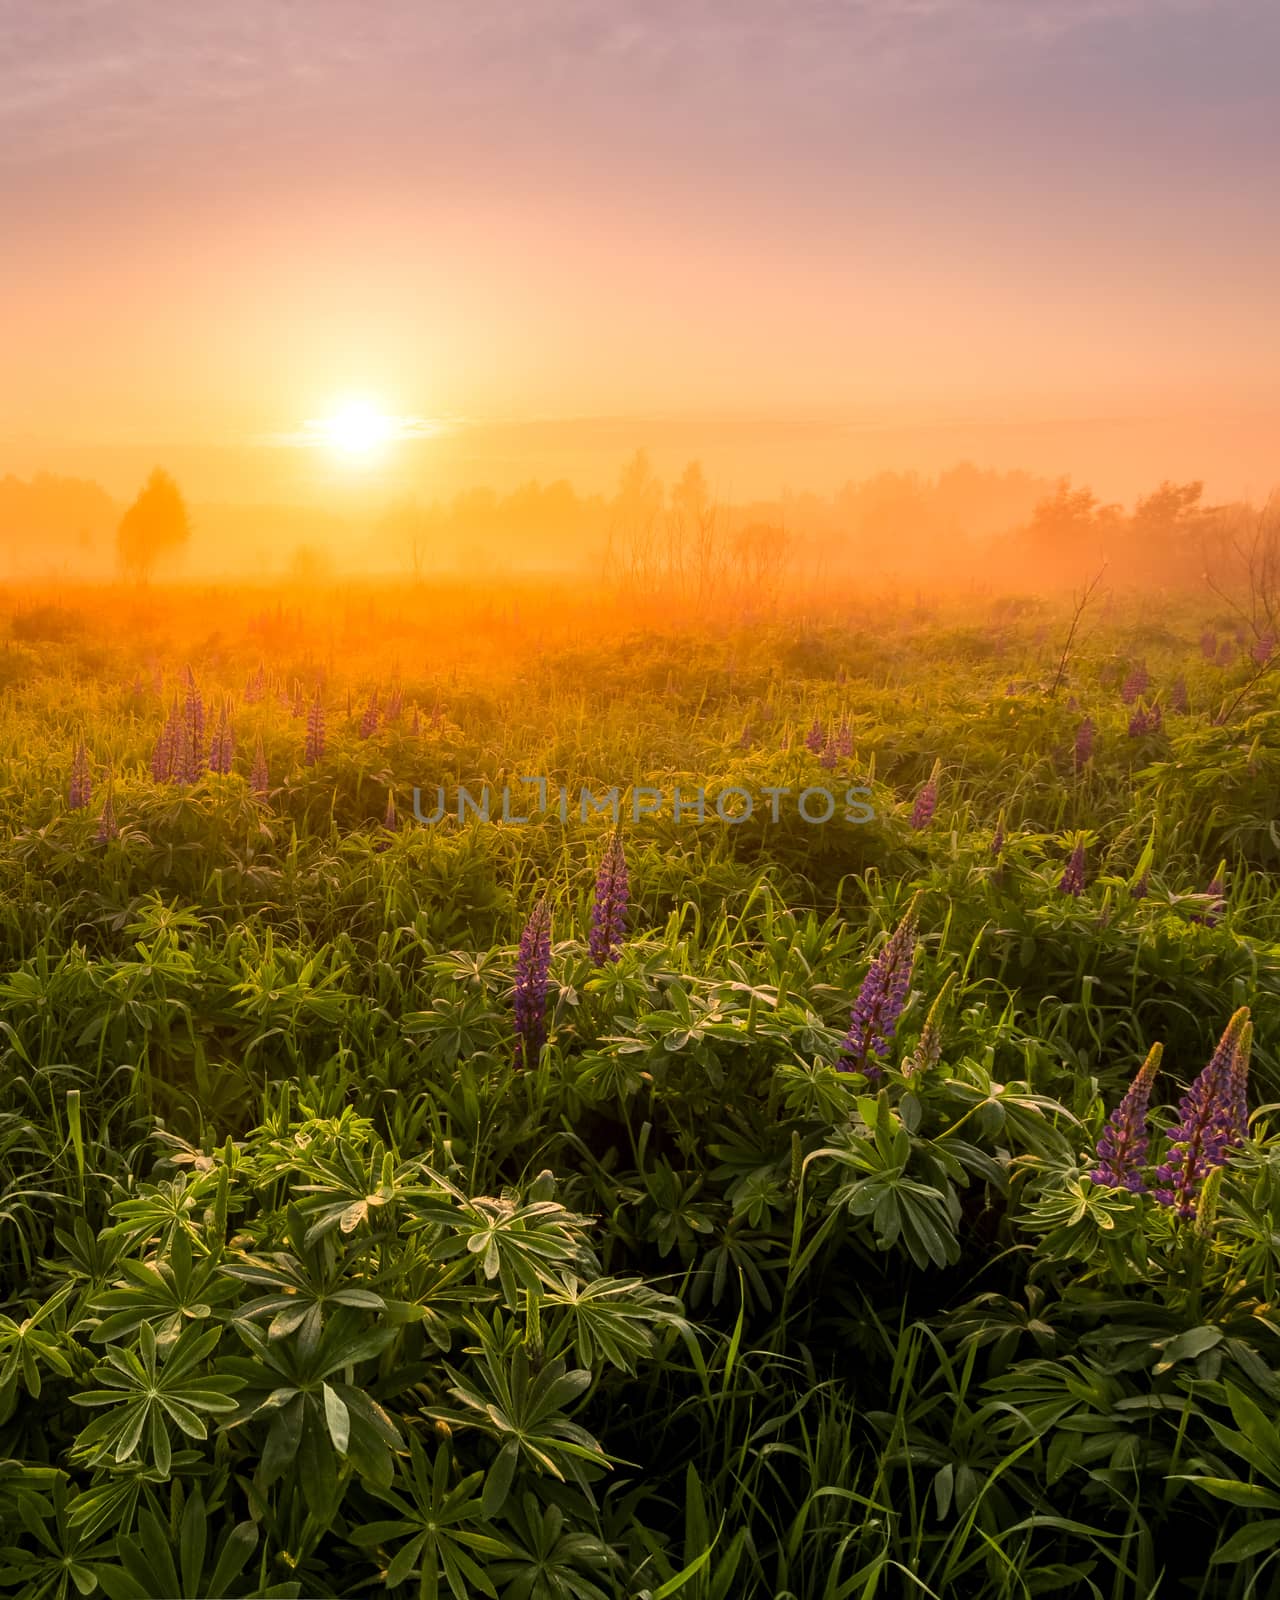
{"x": 549, "y": 1211}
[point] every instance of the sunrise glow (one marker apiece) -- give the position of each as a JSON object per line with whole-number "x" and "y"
{"x": 357, "y": 431}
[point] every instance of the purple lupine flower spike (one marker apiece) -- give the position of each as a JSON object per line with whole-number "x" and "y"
{"x": 814, "y": 738}
{"x": 81, "y": 787}
{"x": 193, "y": 755}
{"x": 1211, "y": 1118}
{"x": 1072, "y": 880}
{"x": 1122, "y": 1148}
{"x": 369, "y": 722}
{"x": 926, "y": 800}
{"x": 829, "y": 753}
{"x": 1178, "y": 701}
{"x": 609, "y": 908}
{"x": 880, "y": 1001}
{"x": 1209, "y": 644}
{"x": 1135, "y": 684}
{"x": 533, "y": 981}
{"x": 1084, "y": 742}
{"x": 108, "y": 828}
{"x": 844, "y": 740}
{"x": 1264, "y": 649}
{"x": 314, "y": 749}
{"x": 222, "y": 745}
{"x": 164, "y": 762}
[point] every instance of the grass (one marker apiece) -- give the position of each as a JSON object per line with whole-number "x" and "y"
{"x": 306, "y": 1289}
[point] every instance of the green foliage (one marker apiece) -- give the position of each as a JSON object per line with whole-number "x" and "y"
{"x": 306, "y": 1290}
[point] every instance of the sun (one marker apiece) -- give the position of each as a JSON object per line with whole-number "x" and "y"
{"x": 358, "y": 430}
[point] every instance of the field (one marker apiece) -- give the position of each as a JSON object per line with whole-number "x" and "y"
{"x": 712, "y": 1208}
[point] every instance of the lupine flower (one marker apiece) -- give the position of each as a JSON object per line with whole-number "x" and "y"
{"x": 369, "y": 722}
{"x": 1144, "y": 721}
{"x": 828, "y": 757}
{"x": 1140, "y": 886}
{"x": 315, "y": 732}
{"x": 81, "y": 787}
{"x": 1072, "y": 880}
{"x": 1208, "y": 644}
{"x": 1210, "y": 1120}
{"x": 297, "y": 708}
{"x": 1122, "y": 1148}
{"x": 1135, "y": 684}
{"x": 880, "y": 1001}
{"x": 395, "y": 703}
{"x": 254, "y": 686}
{"x": 1264, "y": 649}
{"x": 928, "y": 1050}
{"x": 107, "y": 825}
{"x": 609, "y": 908}
{"x": 164, "y": 756}
{"x": 1226, "y": 653}
{"x": 844, "y": 740}
{"x": 926, "y": 800}
{"x": 533, "y": 981}
{"x": 222, "y": 747}
{"x": 814, "y": 738}
{"x": 259, "y": 778}
{"x": 1084, "y": 743}
{"x": 194, "y": 754}
{"x": 1178, "y": 697}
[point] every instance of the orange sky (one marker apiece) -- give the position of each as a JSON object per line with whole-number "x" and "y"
{"x": 890, "y": 213}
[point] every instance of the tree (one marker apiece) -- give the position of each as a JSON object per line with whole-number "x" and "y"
{"x": 633, "y": 522}
{"x": 410, "y": 530}
{"x": 154, "y": 526}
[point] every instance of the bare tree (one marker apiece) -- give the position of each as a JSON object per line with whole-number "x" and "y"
{"x": 1081, "y": 602}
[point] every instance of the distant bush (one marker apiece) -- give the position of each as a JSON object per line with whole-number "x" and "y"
{"x": 47, "y": 625}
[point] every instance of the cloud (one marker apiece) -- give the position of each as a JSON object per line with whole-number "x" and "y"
{"x": 319, "y": 433}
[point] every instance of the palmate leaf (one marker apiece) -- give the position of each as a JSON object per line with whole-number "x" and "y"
{"x": 174, "y": 1291}
{"x": 146, "y": 1393}
{"x": 613, "y": 1318}
{"x": 303, "y": 1285}
{"x": 319, "y": 1428}
{"x": 438, "y": 1529}
{"x": 28, "y": 1345}
{"x": 525, "y": 1409}
{"x": 59, "y": 1560}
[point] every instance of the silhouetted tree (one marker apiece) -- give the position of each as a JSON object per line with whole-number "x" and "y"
{"x": 154, "y": 526}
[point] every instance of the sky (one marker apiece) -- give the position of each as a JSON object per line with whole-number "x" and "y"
{"x": 940, "y": 224}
